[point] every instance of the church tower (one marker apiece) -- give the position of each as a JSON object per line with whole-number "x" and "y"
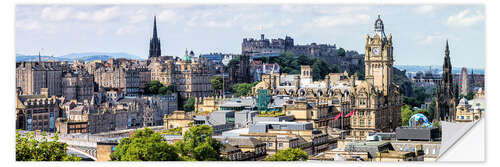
{"x": 379, "y": 58}
{"x": 154, "y": 43}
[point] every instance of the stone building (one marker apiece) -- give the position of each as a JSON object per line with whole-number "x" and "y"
{"x": 37, "y": 112}
{"x": 190, "y": 76}
{"x": 118, "y": 77}
{"x": 77, "y": 85}
{"x": 446, "y": 96}
{"x": 375, "y": 103}
{"x": 469, "y": 112}
{"x": 283, "y": 135}
{"x": 251, "y": 148}
{"x": 31, "y": 77}
{"x": 177, "y": 119}
{"x": 319, "y": 114}
{"x": 75, "y": 116}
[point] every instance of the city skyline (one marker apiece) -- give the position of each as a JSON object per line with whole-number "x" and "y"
{"x": 195, "y": 27}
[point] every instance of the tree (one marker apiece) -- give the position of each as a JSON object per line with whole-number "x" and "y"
{"x": 319, "y": 69}
{"x": 163, "y": 90}
{"x": 289, "y": 154}
{"x": 197, "y": 144}
{"x": 152, "y": 87}
{"x": 30, "y": 149}
{"x": 304, "y": 60}
{"x": 243, "y": 89}
{"x": 145, "y": 145}
{"x": 406, "y": 113}
{"x": 470, "y": 96}
{"x": 189, "y": 106}
{"x": 341, "y": 52}
{"x": 216, "y": 82}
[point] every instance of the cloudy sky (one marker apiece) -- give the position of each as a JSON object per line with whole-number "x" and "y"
{"x": 419, "y": 31}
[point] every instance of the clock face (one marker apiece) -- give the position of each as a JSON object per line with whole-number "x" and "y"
{"x": 376, "y": 51}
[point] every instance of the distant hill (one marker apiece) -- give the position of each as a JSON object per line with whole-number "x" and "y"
{"x": 22, "y": 57}
{"x": 86, "y": 56}
{"x": 436, "y": 69}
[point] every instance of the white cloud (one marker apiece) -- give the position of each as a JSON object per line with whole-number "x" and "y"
{"x": 425, "y": 9}
{"x": 167, "y": 15}
{"x": 465, "y": 18}
{"x": 138, "y": 17}
{"x": 258, "y": 27}
{"x": 126, "y": 30}
{"x": 55, "y": 14}
{"x": 338, "y": 20}
{"x": 286, "y": 22}
{"x": 27, "y": 24}
{"x": 429, "y": 39}
{"x": 99, "y": 15}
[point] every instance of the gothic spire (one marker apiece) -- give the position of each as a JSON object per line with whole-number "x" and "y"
{"x": 154, "y": 44}
{"x": 154, "y": 29}
{"x": 447, "y": 51}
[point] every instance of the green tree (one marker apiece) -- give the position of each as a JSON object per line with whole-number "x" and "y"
{"x": 152, "y": 87}
{"x": 243, "y": 89}
{"x": 189, "y": 106}
{"x": 216, "y": 83}
{"x": 406, "y": 113}
{"x": 289, "y": 154}
{"x": 320, "y": 69}
{"x": 470, "y": 96}
{"x": 163, "y": 90}
{"x": 197, "y": 144}
{"x": 233, "y": 62}
{"x": 341, "y": 52}
{"x": 145, "y": 145}
{"x": 30, "y": 149}
{"x": 304, "y": 60}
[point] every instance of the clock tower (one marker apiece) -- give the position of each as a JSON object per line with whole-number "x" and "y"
{"x": 379, "y": 59}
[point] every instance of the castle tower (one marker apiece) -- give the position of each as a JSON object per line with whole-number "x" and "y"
{"x": 379, "y": 58}
{"x": 154, "y": 43}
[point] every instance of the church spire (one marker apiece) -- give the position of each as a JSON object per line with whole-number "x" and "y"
{"x": 154, "y": 29}
{"x": 154, "y": 43}
{"x": 447, "y": 51}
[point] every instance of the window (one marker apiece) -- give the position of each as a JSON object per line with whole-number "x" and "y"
{"x": 280, "y": 145}
{"x": 434, "y": 151}
{"x": 270, "y": 144}
{"x": 462, "y": 117}
{"x": 468, "y": 117}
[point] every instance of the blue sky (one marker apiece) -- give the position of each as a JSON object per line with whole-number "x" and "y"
{"x": 419, "y": 31}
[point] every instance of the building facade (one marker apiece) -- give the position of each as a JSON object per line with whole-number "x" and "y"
{"x": 375, "y": 103}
